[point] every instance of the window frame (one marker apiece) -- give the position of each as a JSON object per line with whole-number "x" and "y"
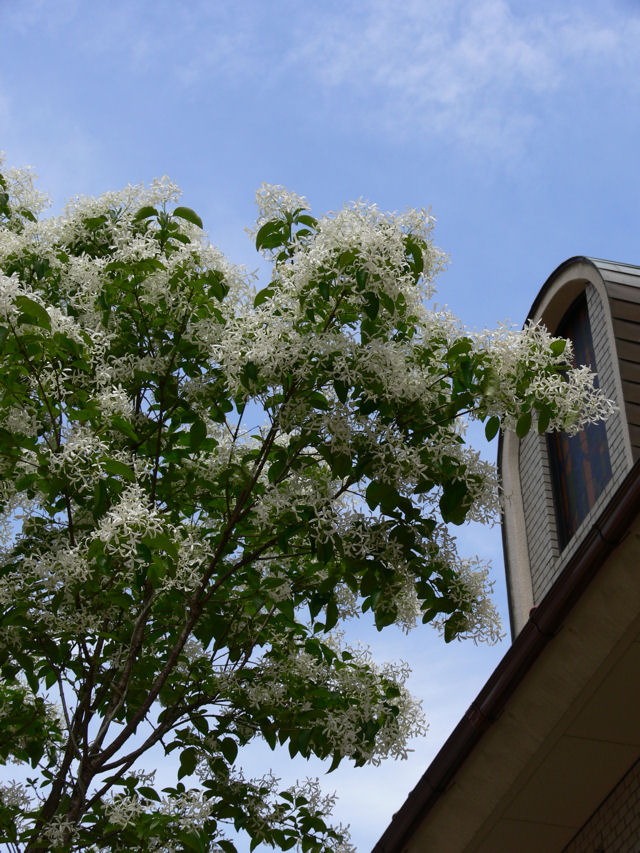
{"x": 580, "y": 465}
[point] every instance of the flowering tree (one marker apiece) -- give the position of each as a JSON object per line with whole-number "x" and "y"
{"x": 200, "y": 483}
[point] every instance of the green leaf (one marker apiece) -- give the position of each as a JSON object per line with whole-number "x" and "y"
{"x": 335, "y": 763}
{"x": 197, "y": 434}
{"x": 415, "y": 251}
{"x": 325, "y": 551}
{"x": 341, "y": 464}
{"x": 161, "y": 541}
{"x": 200, "y": 723}
{"x": 188, "y": 215}
{"x": 271, "y": 235}
{"x": 456, "y": 623}
{"x": 32, "y": 313}
{"x": 544, "y": 419}
{"x": 145, "y": 212}
{"x": 331, "y": 614}
{"x": 192, "y": 841}
{"x": 454, "y": 501}
{"x": 149, "y": 793}
{"x": 100, "y": 499}
{"x": 319, "y": 401}
{"x": 558, "y": 347}
{"x": 304, "y": 738}
{"x": 263, "y": 295}
{"x": 362, "y": 277}
{"x": 461, "y": 347}
{"x": 249, "y": 374}
{"x": 50, "y": 677}
{"x": 383, "y": 494}
{"x": 277, "y": 466}
{"x": 188, "y": 762}
{"x": 523, "y": 425}
{"x": 119, "y": 469}
{"x": 229, "y": 748}
{"x": 324, "y": 289}
{"x": 124, "y": 427}
{"x": 369, "y": 582}
{"x": 341, "y": 389}
{"x": 491, "y": 427}
{"x": 347, "y": 258}
{"x": 156, "y": 571}
{"x": 372, "y": 305}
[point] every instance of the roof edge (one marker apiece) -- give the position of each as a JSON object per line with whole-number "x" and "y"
{"x": 599, "y": 264}
{"x": 576, "y": 259}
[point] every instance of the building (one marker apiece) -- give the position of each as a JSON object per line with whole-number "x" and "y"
{"x": 547, "y": 758}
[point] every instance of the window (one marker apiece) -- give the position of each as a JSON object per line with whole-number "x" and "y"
{"x": 580, "y": 464}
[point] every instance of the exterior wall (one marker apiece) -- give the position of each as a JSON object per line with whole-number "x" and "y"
{"x": 622, "y": 283}
{"x": 607, "y": 364}
{"x": 615, "y": 826}
{"x": 539, "y": 513}
{"x": 546, "y": 561}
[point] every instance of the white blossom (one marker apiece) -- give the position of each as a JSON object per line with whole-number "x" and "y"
{"x": 127, "y": 523}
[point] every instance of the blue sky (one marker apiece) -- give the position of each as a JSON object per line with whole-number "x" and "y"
{"x": 518, "y": 123}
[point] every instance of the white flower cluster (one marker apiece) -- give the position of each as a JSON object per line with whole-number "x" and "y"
{"x": 323, "y": 803}
{"x": 263, "y": 801}
{"x": 22, "y": 189}
{"x": 57, "y": 567}
{"x": 570, "y": 393}
{"x": 79, "y": 456}
{"x": 194, "y": 554}
{"x": 114, "y": 400}
{"x": 473, "y": 588}
{"x": 127, "y": 202}
{"x": 60, "y": 831}
{"x": 127, "y": 523}
{"x": 14, "y": 795}
{"x": 272, "y": 200}
{"x": 187, "y": 811}
{"x": 10, "y": 288}
{"x": 361, "y": 686}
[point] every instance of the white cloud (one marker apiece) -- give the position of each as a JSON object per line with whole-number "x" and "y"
{"x": 474, "y": 70}
{"x": 26, "y": 15}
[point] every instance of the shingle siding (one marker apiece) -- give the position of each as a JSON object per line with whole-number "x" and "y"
{"x": 606, "y": 362}
{"x": 623, "y": 290}
{"x": 537, "y": 498}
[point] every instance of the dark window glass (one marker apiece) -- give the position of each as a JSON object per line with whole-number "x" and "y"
{"x": 580, "y": 464}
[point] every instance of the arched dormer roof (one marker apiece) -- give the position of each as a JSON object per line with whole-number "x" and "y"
{"x": 535, "y": 552}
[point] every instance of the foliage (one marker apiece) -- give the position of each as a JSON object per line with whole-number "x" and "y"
{"x": 201, "y": 483}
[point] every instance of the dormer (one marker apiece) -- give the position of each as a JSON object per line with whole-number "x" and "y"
{"x": 556, "y": 486}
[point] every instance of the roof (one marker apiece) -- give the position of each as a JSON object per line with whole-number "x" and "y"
{"x": 612, "y": 272}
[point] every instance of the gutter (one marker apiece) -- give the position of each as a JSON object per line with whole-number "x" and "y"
{"x": 544, "y": 622}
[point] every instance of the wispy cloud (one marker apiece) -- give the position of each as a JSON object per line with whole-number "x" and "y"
{"x": 476, "y": 72}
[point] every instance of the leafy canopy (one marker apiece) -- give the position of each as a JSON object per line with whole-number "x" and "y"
{"x": 201, "y": 483}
